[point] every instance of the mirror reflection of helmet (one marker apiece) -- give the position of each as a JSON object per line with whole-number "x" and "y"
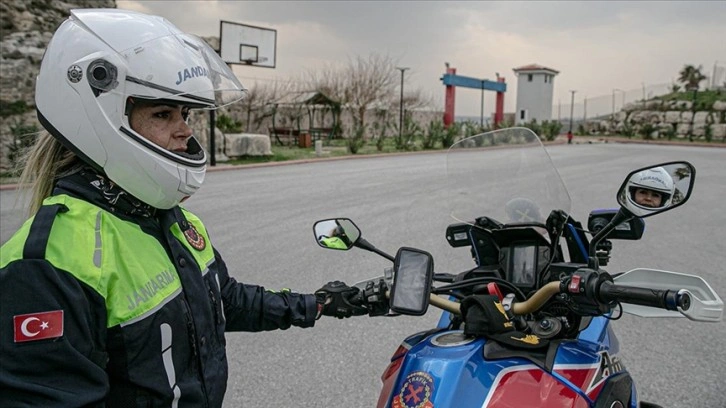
{"x": 654, "y": 179}
{"x": 99, "y": 61}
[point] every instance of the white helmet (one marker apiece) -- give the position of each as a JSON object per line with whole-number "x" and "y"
{"x": 656, "y": 179}
{"x": 95, "y": 62}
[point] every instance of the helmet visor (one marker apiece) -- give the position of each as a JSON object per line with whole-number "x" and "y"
{"x": 180, "y": 68}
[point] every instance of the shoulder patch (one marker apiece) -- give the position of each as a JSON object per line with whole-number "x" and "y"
{"x": 194, "y": 238}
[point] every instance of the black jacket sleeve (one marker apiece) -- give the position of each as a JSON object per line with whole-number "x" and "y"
{"x": 252, "y": 308}
{"x": 61, "y": 371}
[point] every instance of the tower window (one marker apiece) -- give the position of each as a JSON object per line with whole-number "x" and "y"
{"x": 529, "y": 78}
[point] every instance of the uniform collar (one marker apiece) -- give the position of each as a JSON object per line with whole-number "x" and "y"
{"x": 94, "y": 187}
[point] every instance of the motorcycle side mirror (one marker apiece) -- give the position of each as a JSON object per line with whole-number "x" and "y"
{"x": 336, "y": 233}
{"x": 655, "y": 189}
{"x": 413, "y": 274}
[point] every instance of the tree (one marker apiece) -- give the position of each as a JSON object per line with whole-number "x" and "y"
{"x": 363, "y": 83}
{"x": 255, "y": 107}
{"x": 691, "y": 78}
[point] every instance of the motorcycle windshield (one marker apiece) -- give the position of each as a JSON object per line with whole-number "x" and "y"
{"x": 506, "y": 175}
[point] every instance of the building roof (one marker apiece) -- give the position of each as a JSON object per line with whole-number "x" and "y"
{"x": 534, "y": 67}
{"x": 306, "y": 98}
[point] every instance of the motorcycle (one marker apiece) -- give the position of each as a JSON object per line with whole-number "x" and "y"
{"x": 529, "y": 324}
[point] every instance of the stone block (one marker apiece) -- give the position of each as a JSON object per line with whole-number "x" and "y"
{"x": 673, "y": 116}
{"x": 701, "y": 118}
{"x": 719, "y": 106}
{"x": 683, "y": 128}
{"x": 248, "y": 144}
{"x": 718, "y": 131}
{"x": 686, "y": 117}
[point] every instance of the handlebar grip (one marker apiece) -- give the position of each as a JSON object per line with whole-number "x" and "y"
{"x": 358, "y": 299}
{"x": 664, "y": 299}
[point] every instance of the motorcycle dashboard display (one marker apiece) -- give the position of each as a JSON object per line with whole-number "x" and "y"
{"x": 522, "y": 264}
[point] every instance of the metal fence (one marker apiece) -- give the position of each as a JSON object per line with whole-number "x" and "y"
{"x": 601, "y": 107}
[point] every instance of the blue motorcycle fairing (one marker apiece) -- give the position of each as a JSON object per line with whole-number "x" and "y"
{"x": 458, "y": 375}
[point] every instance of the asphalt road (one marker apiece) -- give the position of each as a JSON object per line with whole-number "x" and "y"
{"x": 261, "y": 219}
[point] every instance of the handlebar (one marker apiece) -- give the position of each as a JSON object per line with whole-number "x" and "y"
{"x": 663, "y": 299}
{"x": 520, "y": 308}
{"x": 588, "y": 285}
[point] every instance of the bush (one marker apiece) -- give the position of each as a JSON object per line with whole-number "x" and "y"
{"x": 551, "y": 128}
{"x": 670, "y": 133}
{"x": 708, "y": 132}
{"x": 534, "y": 127}
{"x": 433, "y": 134}
{"x": 379, "y": 132}
{"x": 405, "y": 141}
{"x": 228, "y": 125}
{"x": 581, "y": 130}
{"x": 646, "y": 131}
{"x": 24, "y": 137}
{"x": 12, "y": 108}
{"x": 450, "y": 135}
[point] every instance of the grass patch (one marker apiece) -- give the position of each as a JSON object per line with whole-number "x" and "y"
{"x": 705, "y": 99}
{"x": 332, "y": 148}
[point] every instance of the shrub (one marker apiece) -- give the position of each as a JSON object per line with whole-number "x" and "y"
{"x": 12, "y": 108}
{"x": 24, "y": 137}
{"x": 228, "y": 125}
{"x": 405, "y": 141}
{"x": 379, "y": 133}
{"x": 708, "y": 132}
{"x": 646, "y": 131}
{"x": 534, "y": 127}
{"x": 450, "y": 135}
{"x": 670, "y": 133}
{"x": 550, "y": 129}
{"x": 434, "y": 134}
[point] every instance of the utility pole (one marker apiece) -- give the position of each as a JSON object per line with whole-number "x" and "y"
{"x": 613, "y": 114}
{"x": 572, "y": 108}
{"x": 400, "y": 113}
{"x": 584, "y": 115}
{"x": 481, "y": 115}
{"x": 713, "y": 75}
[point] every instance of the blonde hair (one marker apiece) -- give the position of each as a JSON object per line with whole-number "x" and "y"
{"x": 43, "y": 164}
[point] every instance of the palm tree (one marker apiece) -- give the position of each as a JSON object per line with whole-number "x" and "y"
{"x": 691, "y": 78}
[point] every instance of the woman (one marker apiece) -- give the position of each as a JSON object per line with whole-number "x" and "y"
{"x": 112, "y": 294}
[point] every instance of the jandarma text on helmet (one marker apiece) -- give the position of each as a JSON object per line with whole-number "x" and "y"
{"x": 192, "y": 72}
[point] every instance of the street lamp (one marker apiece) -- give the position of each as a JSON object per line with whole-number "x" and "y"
{"x": 400, "y": 113}
{"x": 572, "y": 108}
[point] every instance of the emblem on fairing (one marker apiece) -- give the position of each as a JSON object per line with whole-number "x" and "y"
{"x": 416, "y": 391}
{"x": 75, "y": 73}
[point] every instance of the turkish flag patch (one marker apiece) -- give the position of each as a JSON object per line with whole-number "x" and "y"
{"x": 38, "y": 326}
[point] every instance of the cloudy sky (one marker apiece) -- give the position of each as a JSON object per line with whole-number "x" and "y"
{"x": 596, "y": 46}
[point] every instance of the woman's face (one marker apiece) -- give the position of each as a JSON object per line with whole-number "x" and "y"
{"x": 648, "y": 198}
{"x": 165, "y": 125}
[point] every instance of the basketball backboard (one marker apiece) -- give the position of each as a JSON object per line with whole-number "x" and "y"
{"x": 247, "y": 45}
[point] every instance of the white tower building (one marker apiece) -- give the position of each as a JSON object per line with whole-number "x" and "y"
{"x": 535, "y": 85}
